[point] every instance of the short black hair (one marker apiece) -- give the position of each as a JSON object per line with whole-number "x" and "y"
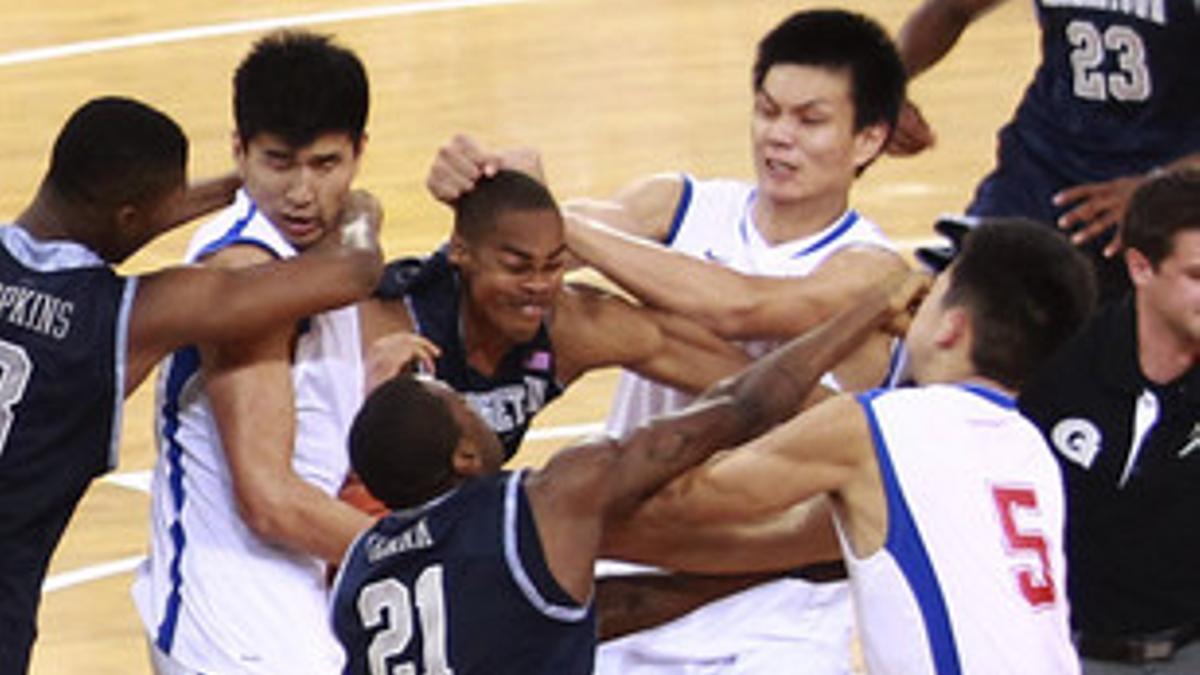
{"x": 402, "y": 443}
{"x": 1166, "y": 204}
{"x": 476, "y": 212}
{"x": 299, "y": 85}
{"x": 837, "y": 39}
{"x": 114, "y": 151}
{"x": 1027, "y": 290}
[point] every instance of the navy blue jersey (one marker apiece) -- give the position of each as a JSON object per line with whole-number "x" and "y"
{"x": 63, "y": 316}
{"x": 460, "y": 584}
{"x": 1117, "y": 91}
{"x": 523, "y": 383}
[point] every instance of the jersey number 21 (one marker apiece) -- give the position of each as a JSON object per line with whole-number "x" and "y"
{"x": 388, "y": 603}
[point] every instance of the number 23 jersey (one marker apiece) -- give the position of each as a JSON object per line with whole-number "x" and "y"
{"x": 1117, "y": 91}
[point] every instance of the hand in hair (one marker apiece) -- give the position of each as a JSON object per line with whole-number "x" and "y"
{"x": 460, "y": 163}
{"x": 398, "y": 353}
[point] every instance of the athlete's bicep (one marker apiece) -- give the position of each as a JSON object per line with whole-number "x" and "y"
{"x": 816, "y": 452}
{"x": 180, "y": 306}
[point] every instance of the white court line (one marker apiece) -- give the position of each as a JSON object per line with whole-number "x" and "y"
{"x": 83, "y": 575}
{"x": 238, "y": 27}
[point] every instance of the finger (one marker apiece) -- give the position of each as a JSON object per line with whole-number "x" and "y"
{"x": 1097, "y": 227}
{"x": 1114, "y": 246}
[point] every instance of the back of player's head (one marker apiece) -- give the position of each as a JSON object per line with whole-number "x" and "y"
{"x": 299, "y": 85}
{"x": 402, "y": 443}
{"x": 1161, "y": 207}
{"x": 114, "y": 151}
{"x": 476, "y": 212}
{"x": 841, "y": 40}
{"x": 1027, "y": 290}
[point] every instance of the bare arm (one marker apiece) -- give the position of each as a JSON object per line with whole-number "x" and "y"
{"x": 583, "y": 487}
{"x": 248, "y": 382}
{"x": 593, "y": 328}
{"x": 749, "y": 504}
{"x": 927, "y": 35}
{"x": 190, "y": 305}
{"x": 731, "y": 304}
{"x": 204, "y": 196}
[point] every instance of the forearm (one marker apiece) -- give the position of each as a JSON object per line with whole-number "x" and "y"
{"x": 932, "y": 30}
{"x": 658, "y": 276}
{"x": 627, "y": 604}
{"x": 301, "y": 517}
{"x": 205, "y": 196}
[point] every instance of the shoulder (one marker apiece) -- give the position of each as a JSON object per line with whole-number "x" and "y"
{"x": 242, "y": 225}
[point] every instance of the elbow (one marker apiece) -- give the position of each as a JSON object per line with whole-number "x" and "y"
{"x": 266, "y": 514}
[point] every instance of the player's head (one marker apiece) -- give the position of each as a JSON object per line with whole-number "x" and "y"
{"x": 1161, "y": 234}
{"x": 509, "y": 248}
{"x": 120, "y": 165}
{"x": 300, "y": 103}
{"x": 1018, "y": 289}
{"x": 828, "y": 86}
{"x": 415, "y": 438}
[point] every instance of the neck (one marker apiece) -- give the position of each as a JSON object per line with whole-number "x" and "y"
{"x": 1164, "y": 352}
{"x": 50, "y": 218}
{"x": 779, "y": 222}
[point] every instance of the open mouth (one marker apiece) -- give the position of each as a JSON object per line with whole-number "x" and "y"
{"x": 779, "y": 168}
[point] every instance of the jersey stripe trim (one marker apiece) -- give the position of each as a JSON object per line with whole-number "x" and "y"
{"x": 513, "y": 557}
{"x": 685, "y": 200}
{"x": 832, "y": 235}
{"x": 907, "y": 548}
{"x": 183, "y": 365}
{"x": 120, "y": 359}
{"x": 233, "y": 235}
{"x": 999, "y": 398}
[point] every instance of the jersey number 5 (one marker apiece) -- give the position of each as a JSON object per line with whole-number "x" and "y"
{"x": 1037, "y": 585}
{"x": 388, "y": 603}
{"x": 15, "y": 369}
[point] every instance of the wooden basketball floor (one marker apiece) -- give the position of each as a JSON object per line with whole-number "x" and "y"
{"x": 609, "y": 90}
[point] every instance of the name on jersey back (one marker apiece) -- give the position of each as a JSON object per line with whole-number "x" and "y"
{"x": 36, "y": 311}
{"x": 380, "y": 546}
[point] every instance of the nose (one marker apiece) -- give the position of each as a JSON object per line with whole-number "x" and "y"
{"x": 300, "y": 190}
{"x": 780, "y": 131}
{"x": 539, "y": 282}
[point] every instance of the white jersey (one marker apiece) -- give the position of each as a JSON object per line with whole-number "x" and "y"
{"x": 213, "y": 595}
{"x": 971, "y": 576}
{"x": 715, "y": 221}
{"x": 786, "y": 626}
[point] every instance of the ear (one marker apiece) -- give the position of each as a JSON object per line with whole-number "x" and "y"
{"x": 954, "y": 326}
{"x": 1140, "y": 269}
{"x": 467, "y": 459}
{"x": 459, "y": 251}
{"x": 239, "y": 154}
{"x": 869, "y": 142}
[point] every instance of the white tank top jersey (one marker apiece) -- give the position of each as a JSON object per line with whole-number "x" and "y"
{"x": 212, "y": 595}
{"x": 785, "y": 626}
{"x": 715, "y": 221}
{"x": 971, "y": 576}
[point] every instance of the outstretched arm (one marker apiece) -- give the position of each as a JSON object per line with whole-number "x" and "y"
{"x": 594, "y": 328}
{"x": 927, "y": 35}
{"x": 731, "y": 304}
{"x": 191, "y": 305}
{"x": 603, "y": 480}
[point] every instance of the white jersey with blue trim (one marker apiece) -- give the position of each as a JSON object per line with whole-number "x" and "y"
{"x": 790, "y": 625}
{"x": 970, "y": 578}
{"x": 212, "y": 594}
{"x": 715, "y": 221}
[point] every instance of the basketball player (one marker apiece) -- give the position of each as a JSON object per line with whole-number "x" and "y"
{"x": 1110, "y": 102}
{"x": 509, "y": 335}
{"x": 76, "y": 338}
{"x": 252, "y": 435}
{"x": 775, "y": 258}
{"x": 479, "y": 572}
{"x": 948, "y": 503}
